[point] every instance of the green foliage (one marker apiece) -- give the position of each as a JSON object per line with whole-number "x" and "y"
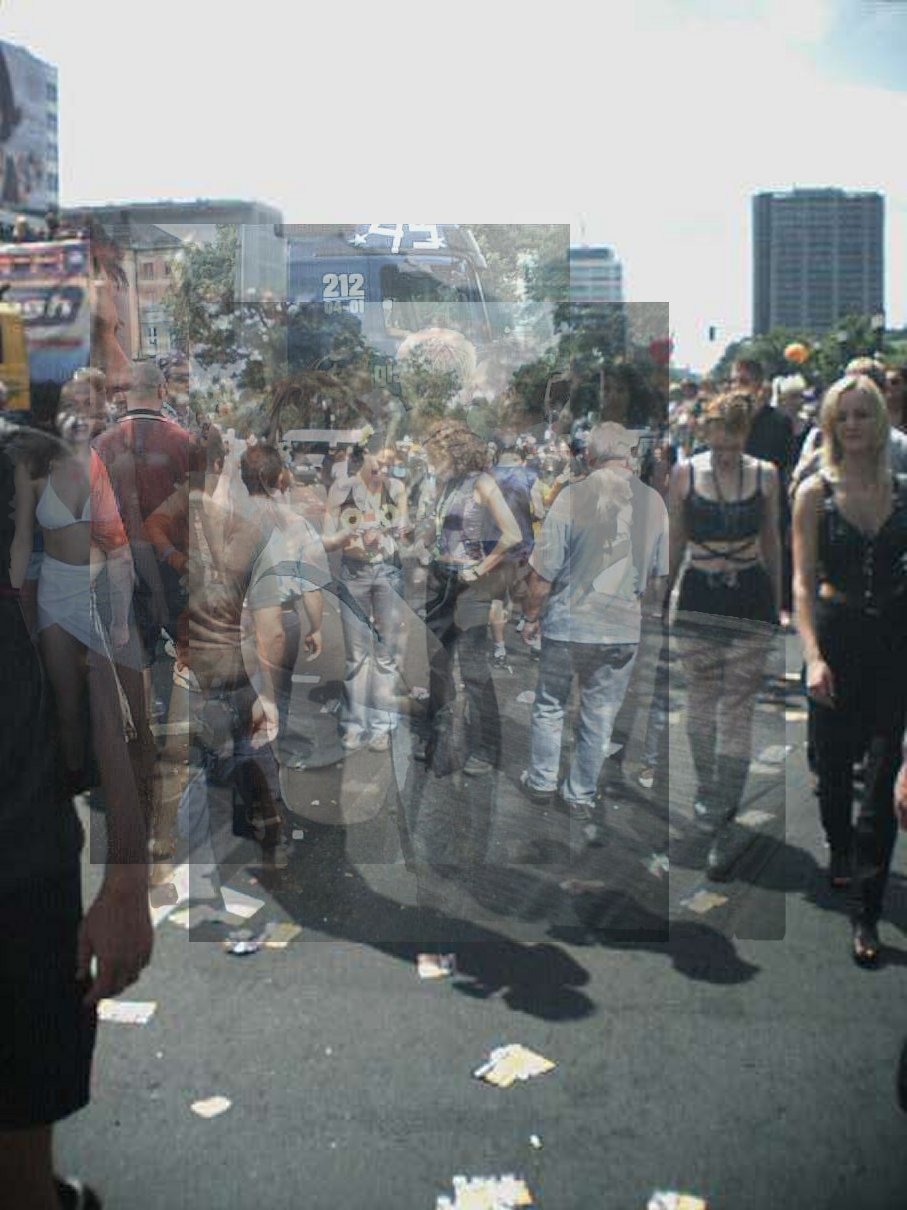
{"x": 852, "y": 336}
{"x": 429, "y": 391}
{"x": 202, "y": 298}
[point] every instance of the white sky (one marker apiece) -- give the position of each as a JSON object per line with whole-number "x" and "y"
{"x": 647, "y": 126}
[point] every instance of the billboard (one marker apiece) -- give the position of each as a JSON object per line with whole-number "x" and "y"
{"x": 49, "y": 283}
{"x": 28, "y": 128}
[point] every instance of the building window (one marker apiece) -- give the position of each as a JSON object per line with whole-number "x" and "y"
{"x": 147, "y": 270}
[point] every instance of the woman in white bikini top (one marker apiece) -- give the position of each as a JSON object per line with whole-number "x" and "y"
{"x": 63, "y": 485}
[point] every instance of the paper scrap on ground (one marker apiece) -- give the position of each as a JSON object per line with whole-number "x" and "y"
{"x": 754, "y": 818}
{"x": 703, "y": 901}
{"x": 200, "y": 913}
{"x": 435, "y": 966}
{"x": 486, "y": 1193}
{"x": 127, "y": 1012}
{"x": 795, "y": 716}
{"x": 761, "y": 769}
{"x": 775, "y": 754}
{"x": 211, "y": 1107}
{"x": 582, "y": 886}
{"x": 527, "y": 697}
{"x": 506, "y": 1064}
{"x": 658, "y": 864}
{"x": 305, "y": 678}
{"x": 279, "y": 934}
{"x": 238, "y": 904}
{"x": 242, "y": 943}
{"x": 298, "y": 834}
{"x": 676, "y": 1201}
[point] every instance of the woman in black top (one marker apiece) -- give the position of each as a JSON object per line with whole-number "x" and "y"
{"x": 724, "y": 521}
{"x": 850, "y": 585}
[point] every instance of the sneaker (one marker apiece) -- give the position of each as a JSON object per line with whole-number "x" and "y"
{"x": 499, "y": 659}
{"x": 520, "y": 624}
{"x": 73, "y": 1195}
{"x": 542, "y": 797}
{"x": 476, "y": 767}
{"x": 380, "y": 743}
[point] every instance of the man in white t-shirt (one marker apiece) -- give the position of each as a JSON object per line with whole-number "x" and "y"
{"x": 603, "y": 549}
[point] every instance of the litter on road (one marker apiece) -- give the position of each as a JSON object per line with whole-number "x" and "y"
{"x": 127, "y": 1012}
{"x": 754, "y": 818}
{"x": 676, "y": 1201}
{"x": 526, "y": 698}
{"x": 279, "y": 933}
{"x": 506, "y": 1064}
{"x": 775, "y": 754}
{"x": 535, "y": 1142}
{"x": 242, "y": 943}
{"x": 486, "y": 1193}
{"x": 211, "y": 1107}
{"x": 703, "y": 901}
{"x": 658, "y": 864}
{"x": 436, "y": 966}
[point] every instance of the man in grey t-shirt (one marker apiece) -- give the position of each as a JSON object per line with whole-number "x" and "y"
{"x": 602, "y": 547}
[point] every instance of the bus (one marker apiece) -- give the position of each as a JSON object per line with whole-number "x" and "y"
{"x": 400, "y": 281}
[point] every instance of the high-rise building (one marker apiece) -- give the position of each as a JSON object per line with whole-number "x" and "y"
{"x": 29, "y": 156}
{"x": 596, "y": 275}
{"x": 817, "y": 257}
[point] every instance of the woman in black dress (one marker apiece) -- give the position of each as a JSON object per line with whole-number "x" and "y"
{"x": 850, "y": 586}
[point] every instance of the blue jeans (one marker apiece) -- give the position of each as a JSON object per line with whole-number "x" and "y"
{"x": 372, "y": 655}
{"x": 604, "y": 673}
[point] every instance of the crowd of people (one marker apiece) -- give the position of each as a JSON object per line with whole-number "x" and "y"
{"x": 169, "y": 578}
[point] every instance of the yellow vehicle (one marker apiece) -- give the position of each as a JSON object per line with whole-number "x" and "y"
{"x": 13, "y": 357}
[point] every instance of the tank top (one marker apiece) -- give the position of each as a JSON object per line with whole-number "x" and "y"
{"x": 738, "y": 521}
{"x": 869, "y": 571}
{"x": 460, "y": 522}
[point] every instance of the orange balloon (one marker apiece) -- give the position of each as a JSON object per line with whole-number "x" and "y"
{"x": 797, "y": 353}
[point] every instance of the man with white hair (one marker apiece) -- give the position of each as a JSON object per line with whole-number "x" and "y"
{"x": 603, "y": 549}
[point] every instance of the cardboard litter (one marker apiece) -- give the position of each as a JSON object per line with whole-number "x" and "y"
{"x": 506, "y": 1064}
{"x": 676, "y": 1201}
{"x": 211, "y": 1107}
{"x": 127, "y": 1012}
{"x": 486, "y": 1193}
{"x": 703, "y": 901}
{"x": 754, "y": 818}
{"x": 279, "y": 934}
{"x": 436, "y": 966}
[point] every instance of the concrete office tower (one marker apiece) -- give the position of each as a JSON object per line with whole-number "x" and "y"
{"x": 817, "y": 257}
{"x": 596, "y": 275}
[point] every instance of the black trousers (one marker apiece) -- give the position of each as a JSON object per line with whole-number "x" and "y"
{"x": 867, "y": 655}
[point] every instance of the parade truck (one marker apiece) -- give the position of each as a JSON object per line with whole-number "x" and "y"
{"x": 44, "y": 314}
{"x": 407, "y": 285}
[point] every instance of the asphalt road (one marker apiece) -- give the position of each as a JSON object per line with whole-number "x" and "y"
{"x": 730, "y": 1049}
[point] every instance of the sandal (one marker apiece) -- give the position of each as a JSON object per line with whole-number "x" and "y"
{"x": 866, "y": 944}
